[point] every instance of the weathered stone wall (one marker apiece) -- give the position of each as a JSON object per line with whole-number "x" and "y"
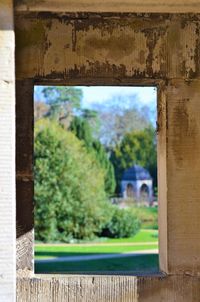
{"x": 183, "y": 169}
{"x": 134, "y": 46}
{"x": 24, "y": 173}
{"x": 124, "y": 49}
{"x": 7, "y": 153}
{"x": 109, "y": 288}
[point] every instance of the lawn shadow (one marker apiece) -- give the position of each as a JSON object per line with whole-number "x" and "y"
{"x": 47, "y": 254}
{"x": 126, "y": 265}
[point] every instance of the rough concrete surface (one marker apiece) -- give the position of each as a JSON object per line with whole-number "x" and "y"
{"x": 7, "y": 154}
{"x": 24, "y": 174}
{"x": 108, "y": 288}
{"x": 137, "y": 46}
{"x": 122, "y": 49}
{"x": 183, "y": 176}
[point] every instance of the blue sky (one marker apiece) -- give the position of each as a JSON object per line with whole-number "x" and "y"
{"x": 100, "y": 94}
{"x": 144, "y": 95}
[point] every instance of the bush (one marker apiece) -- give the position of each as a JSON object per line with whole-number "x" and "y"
{"x": 124, "y": 223}
{"x": 148, "y": 217}
{"x": 69, "y": 187}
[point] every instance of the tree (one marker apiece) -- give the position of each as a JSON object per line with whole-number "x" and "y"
{"x": 62, "y": 101}
{"x": 106, "y": 165}
{"x": 117, "y": 120}
{"x": 82, "y": 129}
{"x": 41, "y": 109}
{"x": 137, "y": 147}
{"x": 69, "y": 186}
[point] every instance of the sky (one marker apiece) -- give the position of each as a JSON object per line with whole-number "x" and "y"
{"x": 101, "y": 94}
{"x": 144, "y": 95}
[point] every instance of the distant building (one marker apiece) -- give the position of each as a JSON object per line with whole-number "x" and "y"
{"x": 137, "y": 183}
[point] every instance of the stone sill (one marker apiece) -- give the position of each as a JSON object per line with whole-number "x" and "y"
{"x": 88, "y": 288}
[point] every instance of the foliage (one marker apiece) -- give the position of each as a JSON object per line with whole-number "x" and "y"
{"x": 81, "y": 128}
{"x": 106, "y": 165}
{"x": 143, "y": 236}
{"x": 124, "y": 223}
{"x": 118, "y": 117}
{"x": 136, "y": 147}
{"x": 62, "y": 102}
{"x": 69, "y": 186}
{"x": 148, "y": 217}
{"x": 92, "y": 117}
{"x": 41, "y": 109}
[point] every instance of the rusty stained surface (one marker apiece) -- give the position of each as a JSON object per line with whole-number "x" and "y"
{"x": 139, "y": 46}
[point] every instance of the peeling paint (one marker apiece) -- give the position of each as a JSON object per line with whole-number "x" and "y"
{"x": 146, "y": 45}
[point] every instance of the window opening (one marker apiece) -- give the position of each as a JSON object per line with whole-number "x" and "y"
{"x": 95, "y": 167}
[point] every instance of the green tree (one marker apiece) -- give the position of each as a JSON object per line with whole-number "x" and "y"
{"x": 106, "y": 165}
{"x": 120, "y": 115}
{"x": 69, "y": 186}
{"x": 137, "y": 147}
{"x": 62, "y": 101}
{"x": 82, "y": 129}
{"x": 92, "y": 117}
{"x": 40, "y": 110}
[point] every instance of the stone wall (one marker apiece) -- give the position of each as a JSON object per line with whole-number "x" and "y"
{"x": 120, "y": 49}
{"x": 109, "y": 288}
{"x": 57, "y": 46}
{"x": 7, "y": 154}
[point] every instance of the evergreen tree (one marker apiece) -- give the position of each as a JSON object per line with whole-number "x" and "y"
{"x": 136, "y": 147}
{"x": 62, "y": 102}
{"x": 81, "y": 128}
{"x": 105, "y": 163}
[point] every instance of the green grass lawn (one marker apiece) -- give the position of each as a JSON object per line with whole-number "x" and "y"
{"x": 142, "y": 236}
{"x": 119, "y": 246}
{"x": 64, "y": 251}
{"x": 110, "y": 246}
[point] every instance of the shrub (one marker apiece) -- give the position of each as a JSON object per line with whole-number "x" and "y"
{"x": 148, "y": 217}
{"x": 124, "y": 223}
